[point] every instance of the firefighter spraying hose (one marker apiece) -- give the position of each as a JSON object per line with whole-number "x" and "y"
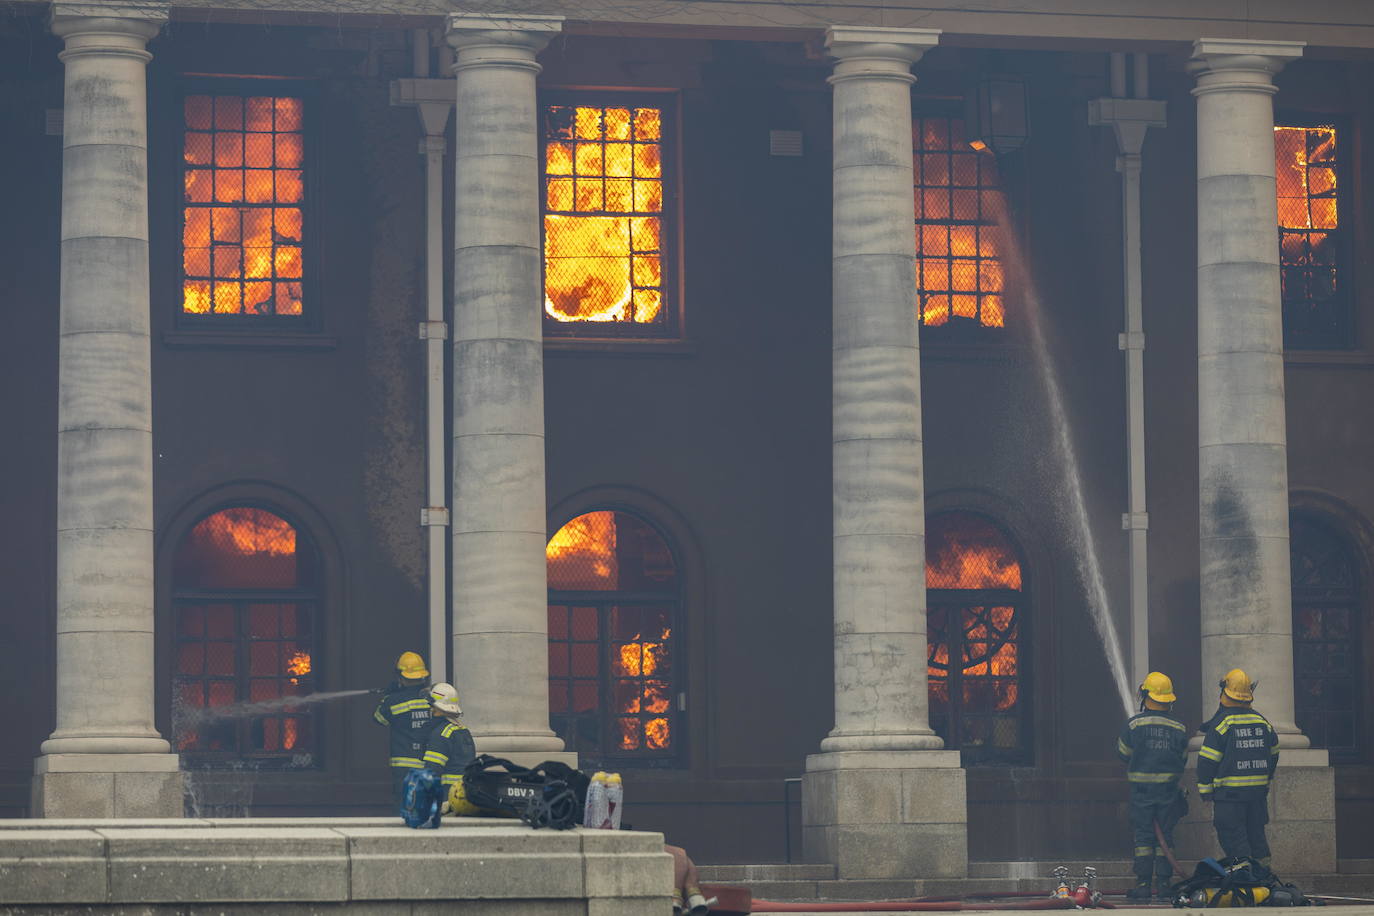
{"x": 1154, "y": 746}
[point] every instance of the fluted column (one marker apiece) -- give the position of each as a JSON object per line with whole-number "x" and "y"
{"x": 881, "y": 700}
{"x": 881, "y": 800}
{"x": 1247, "y": 616}
{"x": 105, "y": 735}
{"x": 500, "y": 596}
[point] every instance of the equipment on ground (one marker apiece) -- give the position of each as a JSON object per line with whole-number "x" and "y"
{"x": 411, "y": 666}
{"x": 1158, "y": 687}
{"x": 1238, "y": 686}
{"x": 444, "y": 698}
{"x": 1235, "y": 882}
{"x": 551, "y": 794}
{"x": 422, "y": 799}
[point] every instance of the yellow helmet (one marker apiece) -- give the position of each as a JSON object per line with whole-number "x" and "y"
{"x": 1158, "y": 687}
{"x": 411, "y": 666}
{"x": 1238, "y": 686}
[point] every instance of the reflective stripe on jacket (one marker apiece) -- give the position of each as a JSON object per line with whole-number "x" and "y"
{"x": 407, "y": 713}
{"x": 1238, "y": 755}
{"x": 1154, "y": 746}
{"x": 450, "y": 750}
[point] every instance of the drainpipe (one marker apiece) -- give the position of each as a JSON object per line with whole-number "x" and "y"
{"x": 432, "y": 100}
{"x": 1130, "y": 118}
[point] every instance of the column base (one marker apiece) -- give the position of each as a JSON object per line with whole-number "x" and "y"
{"x": 106, "y": 785}
{"x": 1302, "y": 817}
{"x": 886, "y": 814}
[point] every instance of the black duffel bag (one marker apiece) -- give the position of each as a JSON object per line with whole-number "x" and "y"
{"x": 551, "y": 794}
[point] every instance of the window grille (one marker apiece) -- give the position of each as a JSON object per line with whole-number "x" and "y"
{"x": 975, "y": 614}
{"x": 1316, "y": 306}
{"x": 614, "y": 600}
{"x": 959, "y": 274}
{"x": 243, "y": 211}
{"x": 605, "y": 193}
{"x": 246, "y": 609}
{"x": 1327, "y": 637}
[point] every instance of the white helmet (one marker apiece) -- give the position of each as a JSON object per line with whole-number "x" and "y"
{"x": 444, "y": 698}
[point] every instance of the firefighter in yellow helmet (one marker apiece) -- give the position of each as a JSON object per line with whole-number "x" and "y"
{"x": 1235, "y": 766}
{"x": 1154, "y": 746}
{"x": 405, "y": 710}
{"x": 450, "y": 748}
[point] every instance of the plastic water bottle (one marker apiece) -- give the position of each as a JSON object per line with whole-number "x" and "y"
{"x": 597, "y": 810}
{"x": 615, "y": 800}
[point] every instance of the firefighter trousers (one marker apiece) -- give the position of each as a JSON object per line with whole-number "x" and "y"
{"x": 1240, "y": 826}
{"x": 1151, "y": 803}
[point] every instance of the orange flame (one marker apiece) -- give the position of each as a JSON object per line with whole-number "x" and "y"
{"x": 644, "y": 658}
{"x": 963, "y": 553}
{"x": 298, "y": 664}
{"x": 290, "y": 734}
{"x": 581, "y": 554}
{"x": 1306, "y": 181}
{"x": 603, "y": 182}
{"x": 251, "y": 531}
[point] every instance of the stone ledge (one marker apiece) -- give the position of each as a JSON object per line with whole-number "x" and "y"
{"x": 311, "y": 863}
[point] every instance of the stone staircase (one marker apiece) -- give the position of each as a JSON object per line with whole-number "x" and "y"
{"x": 801, "y": 883}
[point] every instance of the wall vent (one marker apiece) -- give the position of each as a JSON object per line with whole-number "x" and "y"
{"x": 784, "y": 143}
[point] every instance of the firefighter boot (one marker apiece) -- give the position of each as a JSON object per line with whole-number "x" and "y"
{"x": 1164, "y": 878}
{"x": 1144, "y": 872}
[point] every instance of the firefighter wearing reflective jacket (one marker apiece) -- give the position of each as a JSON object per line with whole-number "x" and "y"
{"x": 1154, "y": 745}
{"x": 450, "y": 747}
{"x": 405, "y": 710}
{"x": 1234, "y": 768}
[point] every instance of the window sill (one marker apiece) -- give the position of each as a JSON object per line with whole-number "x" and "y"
{"x": 1329, "y": 359}
{"x": 249, "y": 340}
{"x": 610, "y": 346}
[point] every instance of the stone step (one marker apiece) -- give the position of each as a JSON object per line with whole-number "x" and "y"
{"x": 743, "y": 874}
{"x": 1045, "y": 869}
{"x": 1355, "y": 866}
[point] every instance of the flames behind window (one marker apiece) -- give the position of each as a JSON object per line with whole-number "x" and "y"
{"x": 244, "y": 634}
{"x": 974, "y": 582}
{"x": 612, "y": 647}
{"x": 1305, "y": 165}
{"x": 603, "y": 205}
{"x": 242, "y": 218}
{"x": 958, "y": 239}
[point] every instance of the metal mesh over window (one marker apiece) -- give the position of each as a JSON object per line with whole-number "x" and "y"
{"x": 603, "y": 182}
{"x": 974, "y": 598}
{"x": 1326, "y": 638}
{"x": 242, "y": 218}
{"x": 613, "y": 600}
{"x": 245, "y": 640}
{"x": 1315, "y": 305}
{"x": 958, "y": 238}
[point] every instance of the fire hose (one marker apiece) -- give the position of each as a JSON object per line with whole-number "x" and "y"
{"x": 917, "y": 905}
{"x": 1168, "y": 853}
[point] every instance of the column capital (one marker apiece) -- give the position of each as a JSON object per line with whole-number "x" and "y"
{"x": 869, "y": 52}
{"x": 497, "y": 41}
{"x": 1240, "y": 64}
{"x": 107, "y": 26}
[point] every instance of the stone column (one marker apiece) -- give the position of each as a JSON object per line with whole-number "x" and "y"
{"x": 1243, "y": 452}
{"x": 500, "y": 593}
{"x": 105, "y": 758}
{"x": 882, "y": 800}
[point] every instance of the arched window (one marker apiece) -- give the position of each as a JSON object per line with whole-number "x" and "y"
{"x": 976, "y": 632}
{"x": 246, "y": 595}
{"x": 1326, "y": 636}
{"x": 614, "y": 603}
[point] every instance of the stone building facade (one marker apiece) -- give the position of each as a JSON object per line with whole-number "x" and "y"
{"x": 798, "y": 267}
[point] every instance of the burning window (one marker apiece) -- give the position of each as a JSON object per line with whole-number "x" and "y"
{"x": 1315, "y": 310}
{"x": 975, "y": 600}
{"x": 245, "y": 640}
{"x": 242, "y": 217}
{"x": 1327, "y": 673}
{"x": 604, "y": 192}
{"x": 958, "y": 247}
{"x": 614, "y": 596}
